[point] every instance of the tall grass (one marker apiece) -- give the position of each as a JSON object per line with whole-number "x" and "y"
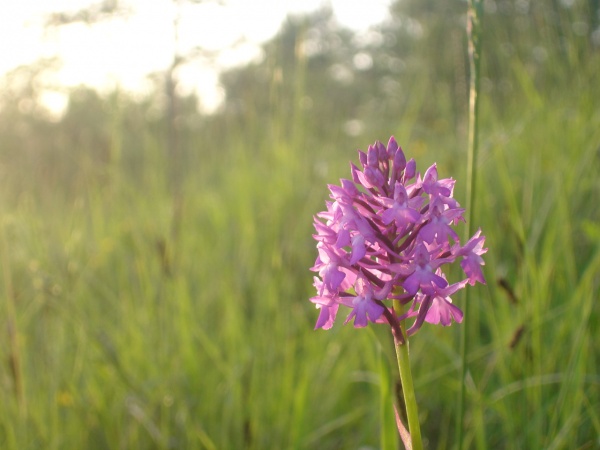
{"x": 129, "y": 335}
{"x": 474, "y": 28}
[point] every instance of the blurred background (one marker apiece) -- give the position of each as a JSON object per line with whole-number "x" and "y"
{"x": 160, "y": 164}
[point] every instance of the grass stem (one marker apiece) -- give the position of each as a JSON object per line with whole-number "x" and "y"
{"x": 474, "y": 17}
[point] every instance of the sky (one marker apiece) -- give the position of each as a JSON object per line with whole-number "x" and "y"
{"x": 123, "y": 50}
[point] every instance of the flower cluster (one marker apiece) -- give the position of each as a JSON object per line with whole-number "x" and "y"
{"x": 387, "y": 235}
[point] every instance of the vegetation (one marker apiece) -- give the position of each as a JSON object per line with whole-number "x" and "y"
{"x": 158, "y": 298}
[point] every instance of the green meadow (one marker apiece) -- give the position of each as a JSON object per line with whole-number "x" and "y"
{"x": 155, "y": 295}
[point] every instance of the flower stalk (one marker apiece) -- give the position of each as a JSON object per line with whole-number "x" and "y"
{"x": 408, "y": 391}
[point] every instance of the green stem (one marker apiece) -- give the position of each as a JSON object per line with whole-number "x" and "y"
{"x": 474, "y": 18}
{"x": 408, "y": 390}
{"x": 388, "y": 434}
